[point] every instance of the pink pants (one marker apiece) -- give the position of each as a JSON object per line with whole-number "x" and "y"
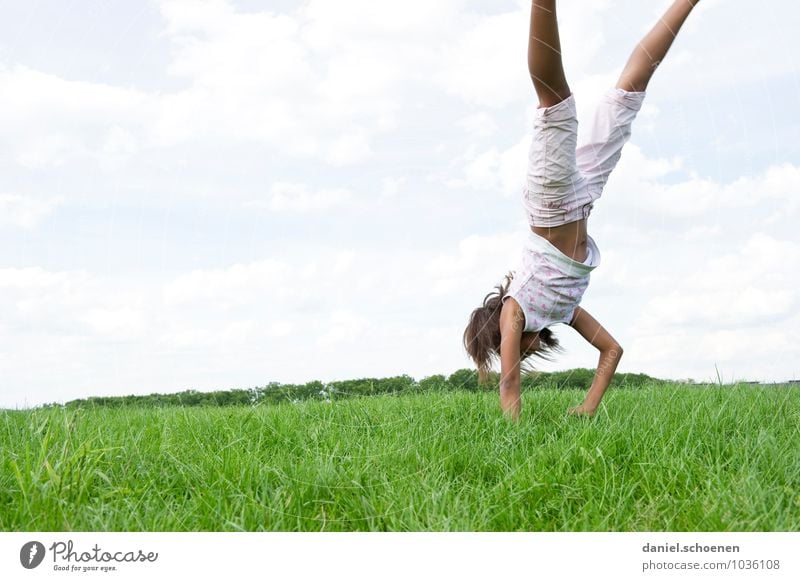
{"x": 564, "y": 178}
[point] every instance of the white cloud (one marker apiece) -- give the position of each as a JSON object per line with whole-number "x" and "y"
{"x": 237, "y": 285}
{"x": 736, "y": 354}
{"x": 702, "y": 232}
{"x": 70, "y": 303}
{"x": 478, "y": 124}
{"x": 737, "y": 309}
{"x": 636, "y": 185}
{"x": 298, "y": 197}
{"x": 24, "y": 279}
{"x": 392, "y": 185}
{"x": 494, "y": 169}
{"x": 48, "y": 121}
{"x": 281, "y": 328}
{"x": 122, "y": 320}
{"x": 26, "y": 211}
{"x": 481, "y": 262}
{"x": 315, "y": 82}
{"x": 349, "y": 148}
{"x": 343, "y": 327}
{"x": 486, "y": 63}
{"x": 217, "y": 337}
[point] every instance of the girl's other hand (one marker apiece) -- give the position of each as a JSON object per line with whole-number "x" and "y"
{"x": 581, "y": 410}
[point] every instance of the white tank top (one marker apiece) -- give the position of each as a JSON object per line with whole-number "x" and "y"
{"x": 548, "y": 284}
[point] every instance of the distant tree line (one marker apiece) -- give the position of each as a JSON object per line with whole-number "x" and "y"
{"x": 275, "y": 393}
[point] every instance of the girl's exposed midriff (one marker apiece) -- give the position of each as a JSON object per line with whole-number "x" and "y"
{"x": 568, "y": 238}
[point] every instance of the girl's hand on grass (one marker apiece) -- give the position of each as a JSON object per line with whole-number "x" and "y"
{"x": 581, "y": 410}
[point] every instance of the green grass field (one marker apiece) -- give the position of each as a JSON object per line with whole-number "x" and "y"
{"x": 683, "y": 458}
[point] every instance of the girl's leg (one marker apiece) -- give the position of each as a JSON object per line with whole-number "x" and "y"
{"x": 544, "y": 54}
{"x": 654, "y": 46}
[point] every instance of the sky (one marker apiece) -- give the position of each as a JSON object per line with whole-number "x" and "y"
{"x": 218, "y": 194}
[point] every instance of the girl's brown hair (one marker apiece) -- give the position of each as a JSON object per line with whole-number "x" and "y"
{"x": 482, "y": 335}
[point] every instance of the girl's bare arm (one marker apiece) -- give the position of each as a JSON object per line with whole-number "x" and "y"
{"x": 610, "y": 354}
{"x": 511, "y": 324}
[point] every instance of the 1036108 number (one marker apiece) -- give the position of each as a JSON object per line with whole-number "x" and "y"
{"x": 756, "y": 564}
